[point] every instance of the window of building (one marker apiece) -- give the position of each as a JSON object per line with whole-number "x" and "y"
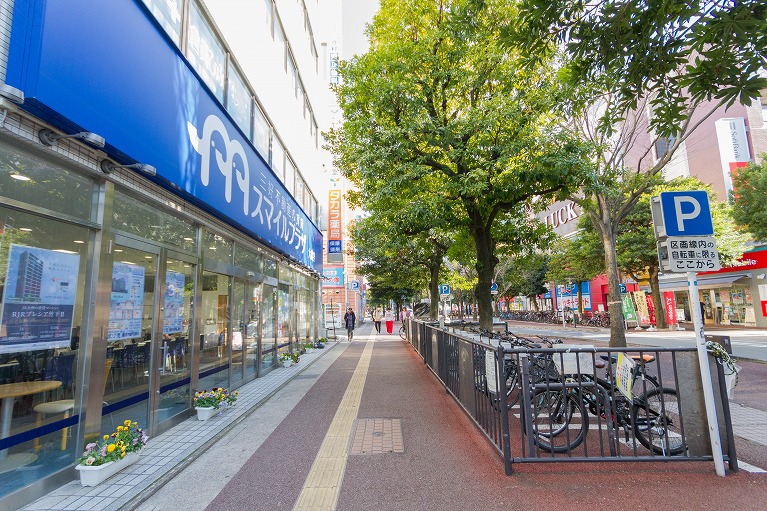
{"x": 261, "y": 133}
{"x": 663, "y": 145}
{"x": 279, "y": 37}
{"x": 293, "y": 74}
{"x": 168, "y": 15}
{"x": 267, "y": 15}
{"x": 206, "y": 53}
{"x": 290, "y": 177}
{"x": 278, "y": 158}
{"x": 137, "y": 217}
{"x": 239, "y": 101}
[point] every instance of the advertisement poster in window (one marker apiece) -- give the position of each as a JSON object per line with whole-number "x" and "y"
{"x": 173, "y": 321}
{"x": 38, "y": 299}
{"x": 127, "y": 304}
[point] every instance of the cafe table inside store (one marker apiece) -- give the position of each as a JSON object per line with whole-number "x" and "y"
{"x": 8, "y": 393}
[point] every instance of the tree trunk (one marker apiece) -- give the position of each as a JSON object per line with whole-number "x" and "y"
{"x": 657, "y": 300}
{"x": 534, "y": 301}
{"x": 614, "y": 302}
{"x": 434, "y": 290}
{"x": 486, "y": 262}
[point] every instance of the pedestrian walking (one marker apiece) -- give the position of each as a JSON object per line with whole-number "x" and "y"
{"x": 349, "y": 320}
{"x": 389, "y": 319}
{"x": 377, "y": 317}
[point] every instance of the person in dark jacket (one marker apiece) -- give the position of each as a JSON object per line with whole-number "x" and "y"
{"x": 349, "y": 320}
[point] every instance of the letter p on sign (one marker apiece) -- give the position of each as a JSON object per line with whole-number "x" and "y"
{"x": 686, "y": 213}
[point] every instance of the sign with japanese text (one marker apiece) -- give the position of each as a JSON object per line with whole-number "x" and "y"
{"x": 491, "y": 375}
{"x": 670, "y": 307}
{"x": 629, "y": 314}
{"x": 38, "y": 299}
{"x": 127, "y": 306}
{"x": 333, "y": 277}
{"x": 624, "y": 375}
{"x": 693, "y": 253}
{"x": 173, "y": 315}
{"x": 335, "y": 227}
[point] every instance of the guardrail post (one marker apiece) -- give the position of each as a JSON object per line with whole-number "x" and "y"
{"x": 525, "y": 414}
{"x": 501, "y": 371}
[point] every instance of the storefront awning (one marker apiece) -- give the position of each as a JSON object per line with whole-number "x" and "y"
{"x": 679, "y": 282}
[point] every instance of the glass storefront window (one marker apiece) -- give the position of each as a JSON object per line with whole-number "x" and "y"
{"x": 268, "y": 316}
{"x": 206, "y": 53}
{"x": 270, "y": 267}
{"x": 251, "y": 261}
{"x": 278, "y": 159}
{"x": 217, "y": 248}
{"x": 41, "y": 183}
{"x": 136, "y": 217}
{"x": 43, "y": 276}
{"x": 214, "y": 338}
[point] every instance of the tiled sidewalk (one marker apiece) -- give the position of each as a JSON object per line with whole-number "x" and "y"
{"x": 166, "y": 455}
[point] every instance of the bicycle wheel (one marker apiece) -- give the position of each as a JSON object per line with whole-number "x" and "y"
{"x": 656, "y": 420}
{"x": 559, "y": 420}
{"x": 402, "y": 334}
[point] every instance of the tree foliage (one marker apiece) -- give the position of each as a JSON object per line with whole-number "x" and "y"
{"x": 438, "y": 110}
{"x": 749, "y": 209}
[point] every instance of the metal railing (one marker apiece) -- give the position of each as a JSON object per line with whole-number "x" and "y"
{"x": 575, "y": 403}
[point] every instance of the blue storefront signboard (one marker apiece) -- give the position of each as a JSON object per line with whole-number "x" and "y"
{"x": 333, "y": 277}
{"x": 108, "y": 68}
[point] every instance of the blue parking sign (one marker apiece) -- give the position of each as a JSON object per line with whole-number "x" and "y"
{"x": 686, "y": 213}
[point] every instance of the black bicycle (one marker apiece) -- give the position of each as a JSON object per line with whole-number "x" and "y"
{"x": 402, "y": 333}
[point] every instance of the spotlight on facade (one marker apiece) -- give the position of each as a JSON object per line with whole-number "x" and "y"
{"x": 49, "y": 138}
{"x": 107, "y": 167}
{"x": 11, "y": 93}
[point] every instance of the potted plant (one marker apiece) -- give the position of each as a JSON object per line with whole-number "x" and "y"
{"x": 288, "y": 359}
{"x": 101, "y": 460}
{"x": 309, "y": 347}
{"x": 320, "y": 343}
{"x": 207, "y": 402}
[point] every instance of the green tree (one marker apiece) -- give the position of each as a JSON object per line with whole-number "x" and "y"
{"x": 750, "y": 186}
{"x": 526, "y": 276}
{"x": 437, "y": 108}
{"x": 576, "y": 260}
{"x": 624, "y": 58}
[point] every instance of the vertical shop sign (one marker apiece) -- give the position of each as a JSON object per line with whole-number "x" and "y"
{"x": 629, "y": 313}
{"x": 335, "y": 229}
{"x": 127, "y": 305}
{"x": 38, "y": 299}
{"x": 650, "y": 309}
{"x": 669, "y": 304}
{"x": 641, "y": 307}
{"x": 173, "y": 315}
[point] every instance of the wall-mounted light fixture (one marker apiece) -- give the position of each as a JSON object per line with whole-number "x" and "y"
{"x": 761, "y": 276}
{"x": 107, "y": 167}
{"x": 49, "y": 138}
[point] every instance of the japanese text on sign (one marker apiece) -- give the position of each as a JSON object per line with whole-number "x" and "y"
{"x": 334, "y": 222}
{"x": 693, "y": 253}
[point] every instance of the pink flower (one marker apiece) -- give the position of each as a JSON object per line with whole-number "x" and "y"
{"x": 90, "y": 447}
{"x": 90, "y": 461}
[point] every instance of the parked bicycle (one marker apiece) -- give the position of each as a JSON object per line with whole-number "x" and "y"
{"x": 560, "y": 411}
{"x": 402, "y": 333}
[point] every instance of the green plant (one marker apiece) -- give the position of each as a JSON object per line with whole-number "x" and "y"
{"x": 214, "y": 398}
{"x": 722, "y": 357}
{"x": 126, "y": 439}
{"x": 289, "y": 356}
{"x": 309, "y": 345}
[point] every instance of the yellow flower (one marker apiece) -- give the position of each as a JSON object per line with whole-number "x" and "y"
{"x": 106, "y": 437}
{"x": 122, "y": 454}
{"x": 135, "y": 424}
{"x": 127, "y": 422}
{"x": 119, "y": 429}
{"x": 110, "y": 448}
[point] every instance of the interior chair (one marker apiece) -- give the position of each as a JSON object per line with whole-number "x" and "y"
{"x": 59, "y": 368}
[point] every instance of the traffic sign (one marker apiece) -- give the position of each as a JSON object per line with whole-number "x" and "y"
{"x": 686, "y": 213}
{"x": 444, "y": 289}
{"x": 354, "y": 285}
{"x": 692, "y": 253}
{"x": 494, "y": 288}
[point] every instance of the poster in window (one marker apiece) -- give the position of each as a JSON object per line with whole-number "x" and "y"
{"x": 173, "y": 321}
{"x": 127, "y": 304}
{"x": 38, "y": 299}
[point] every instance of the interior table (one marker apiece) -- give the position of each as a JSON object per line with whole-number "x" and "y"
{"x": 8, "y": 393}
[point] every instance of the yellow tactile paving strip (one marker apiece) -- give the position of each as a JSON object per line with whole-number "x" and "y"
{"x": 320, "y": 491}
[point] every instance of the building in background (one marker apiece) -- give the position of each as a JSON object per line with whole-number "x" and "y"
{"x": 159, "y": 220}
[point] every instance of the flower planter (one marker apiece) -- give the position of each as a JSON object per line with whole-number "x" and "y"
{"x": 91, "y": 476}
{"x": 287, "y": 363}
{"x": 206, "y": 412}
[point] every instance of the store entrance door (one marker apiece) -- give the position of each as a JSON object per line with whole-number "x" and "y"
{"x": 147, "y": 377}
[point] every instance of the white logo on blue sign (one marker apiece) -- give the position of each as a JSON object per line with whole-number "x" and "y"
{"x": 686, "y": 213}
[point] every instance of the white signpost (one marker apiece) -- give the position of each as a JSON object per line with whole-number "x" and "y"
{"x": 682, "y": 223}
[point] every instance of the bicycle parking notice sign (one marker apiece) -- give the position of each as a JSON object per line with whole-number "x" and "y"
{"x": 624, "y": 375}
{"x": 693, "y": 253}
{"x": 490, "y": 372}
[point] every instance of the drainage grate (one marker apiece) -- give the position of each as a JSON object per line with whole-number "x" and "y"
{"x": 377, "y": 436}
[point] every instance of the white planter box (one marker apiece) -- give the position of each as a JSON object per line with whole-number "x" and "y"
{"x": 287, "y": 363}
{"x": 205, "y": 413}
{"x": 91, "y": 476}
